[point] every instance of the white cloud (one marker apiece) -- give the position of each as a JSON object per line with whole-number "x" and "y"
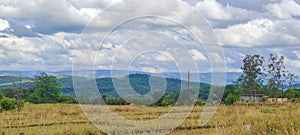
{"x": 32, "y": 54}
{"x": 162, "y": 58}
{"x": 49, "y": 16}
{"x": 3, "y": 24}
{"x": 92, "y": 3}
{"x": 233, "y": 69}
{"x": 215, "y": 57}
{"x": 260, "y": 32}
{"x": 286, "y": 9}
{"x": 197, "y": 55}
{"x": 59, "y": 21}
{"x": 149, "y": 69}
{"x": 216, "y": 11}
{"x": 297, "y": 53}
{"x": 230, "y": 60}
{"x": 293, "y": 65}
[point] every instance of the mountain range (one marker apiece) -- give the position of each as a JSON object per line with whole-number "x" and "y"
{"x": 140, "y": 83}
{"x": 203, "y": 77}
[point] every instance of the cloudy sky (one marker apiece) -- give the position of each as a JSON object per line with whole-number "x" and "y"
{"x": 48, "y": 35}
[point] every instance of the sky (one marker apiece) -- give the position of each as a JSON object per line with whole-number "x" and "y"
{"x": 43, "y": 35}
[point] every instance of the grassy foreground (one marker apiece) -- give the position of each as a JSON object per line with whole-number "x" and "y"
{"x": 69, "y": 119}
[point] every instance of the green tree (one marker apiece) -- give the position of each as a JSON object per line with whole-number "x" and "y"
{"x": 230, "y": 89}
{"x": 9, "y": 92}
{"x": 292, "y": 93}
{"x": 251, "y": 78}
{"x": 7, "y": 103}
{"x": 230, "y": 99}
{"x": 46, "y": 89}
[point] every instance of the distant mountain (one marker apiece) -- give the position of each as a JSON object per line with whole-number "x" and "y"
{"x": 203, "y": 77}
{"x": 141, "y": 83}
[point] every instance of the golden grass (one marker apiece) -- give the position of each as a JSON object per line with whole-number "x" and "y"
{"x": 69, "y": 119}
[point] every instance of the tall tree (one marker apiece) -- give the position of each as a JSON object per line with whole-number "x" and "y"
{"x": 278, "y": 72}
{"x": 252, "y": 68}
{"x": 46, "y": 89}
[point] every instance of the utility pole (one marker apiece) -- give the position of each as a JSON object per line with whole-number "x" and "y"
{"x": 189, "y": 83}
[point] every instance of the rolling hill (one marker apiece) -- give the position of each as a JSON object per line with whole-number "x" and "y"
{"x": 141, "y": 83}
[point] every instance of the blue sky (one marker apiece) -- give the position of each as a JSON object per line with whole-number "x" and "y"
{"x": 48, "y": 35}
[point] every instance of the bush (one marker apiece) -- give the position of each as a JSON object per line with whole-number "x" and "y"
{"x": 292, "y": 93}
{"x": 294, "y": 100}
{"x": 264, "y": 99}
{"x": 167, "y": 102}
{"x": 8, "y": 103}
{"x": 200, "y": 102}
{"x": 67, "y": 99}
{"x": 230, "y": 99}
{"x": 9, "y": 92}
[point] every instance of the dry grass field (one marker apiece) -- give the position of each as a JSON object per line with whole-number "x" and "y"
{"x": 68, "y": 119}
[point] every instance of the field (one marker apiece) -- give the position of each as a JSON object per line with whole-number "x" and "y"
{"x": 238, "y": 119}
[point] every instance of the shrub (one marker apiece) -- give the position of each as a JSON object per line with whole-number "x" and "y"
{"x": 200, "y": 102}
{"x": 167, "y": 102}
{"x": 8, "y": 103}
{"x": 230, "y": 99}
{"x": 295, "y": 100}
{"x": 67, "y": 99}
{"x": 9, "y": 92}
{"x": 264, "y": 99}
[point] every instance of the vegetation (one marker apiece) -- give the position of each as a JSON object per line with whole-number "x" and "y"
{"x": 292, "y": 93}
{"x": 270, "y": 79}
{"x": 230, "y": 99}
{"x": 69, "y": 119}
{"x": 7, "y": 103}
{"x": 44, "y": 89}
{"x": 252, "y": 73}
